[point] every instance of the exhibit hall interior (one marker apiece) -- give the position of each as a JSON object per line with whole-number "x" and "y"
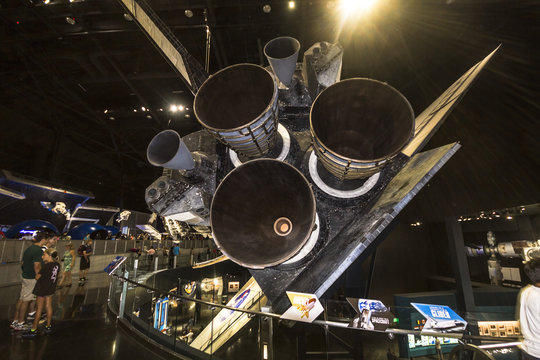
{"x": 345, "y": 179}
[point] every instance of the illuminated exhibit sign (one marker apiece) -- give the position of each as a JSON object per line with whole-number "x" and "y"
{"x": 304, "y": 307}
{"x": 499, "y": 328}
{"x": 415, "y": 341}
{"x": 370, "y": 315}
{"x": 236, "y": 302}
{"x": 190, "y": 289}
{"x": 30, "y": 232}
{"x": 115, "y": 264}
{"x": 440, "y": 318}
{"x": 233, "y": 286}
{"x": 160, "y": 314}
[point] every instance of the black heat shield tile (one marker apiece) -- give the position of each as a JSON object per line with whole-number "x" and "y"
{"x": 349, "y": 230}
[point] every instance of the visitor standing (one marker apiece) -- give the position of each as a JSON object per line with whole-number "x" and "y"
{"x": 30, "y": 268}
{"x": 44, "y": 289}
{"x": 85, "y": 250}
{"x": 529, "y": 312}
{"x": 68, "y": 263}
{"x": 151, "y": 252}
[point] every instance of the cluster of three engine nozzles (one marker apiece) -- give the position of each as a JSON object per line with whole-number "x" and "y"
{"x": 356, "y": 126}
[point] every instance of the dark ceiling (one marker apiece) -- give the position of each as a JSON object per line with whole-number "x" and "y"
{"x": 68, "y": 92}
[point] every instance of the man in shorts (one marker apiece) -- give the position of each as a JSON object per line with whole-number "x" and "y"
{"x": 30, "y": 268}
{"x": 84, "y": 265}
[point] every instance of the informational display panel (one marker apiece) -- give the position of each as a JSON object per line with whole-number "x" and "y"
{"x": 115, "y": 264}
{"x": 370, "y": 315}
{"x": 440, "y": 318}
{"x": 161, "y": 311}
{"x": 304, "y": 307}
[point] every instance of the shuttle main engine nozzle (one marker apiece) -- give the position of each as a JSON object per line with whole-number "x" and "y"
{"x": 169, "y": 151}
{"x": 358, "y": 125}
{"x": 238, "y": 105}
{"x": 263, "y": 213}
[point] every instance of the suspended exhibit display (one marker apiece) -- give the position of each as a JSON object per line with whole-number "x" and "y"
{"x": 352, "y": 163}
{"x": 23, "y": 197}
{"x": 298, "y": 181}
{"x": 30, "y": 228}
{"x": 95, "y": 231}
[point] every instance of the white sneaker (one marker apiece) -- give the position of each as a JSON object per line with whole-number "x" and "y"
{"x": 20, "y": 327}
{"x": 31, "y": 315}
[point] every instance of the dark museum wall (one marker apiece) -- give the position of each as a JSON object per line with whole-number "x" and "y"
{"x": 410, "y": 255}
{"x": 403, "y": 262}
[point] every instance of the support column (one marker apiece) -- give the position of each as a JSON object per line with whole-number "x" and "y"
{"x": 266, "y": 335}
{"x": 464, "y": 293}
{"x": 123, "y": 295}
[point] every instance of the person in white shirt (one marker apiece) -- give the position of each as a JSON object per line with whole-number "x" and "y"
{"x": 529, "y": 312}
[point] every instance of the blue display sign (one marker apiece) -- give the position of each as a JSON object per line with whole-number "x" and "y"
{"x": 160, "y": 314}
{"x": 440, "y": 318}
{"x": 239, "y": 300}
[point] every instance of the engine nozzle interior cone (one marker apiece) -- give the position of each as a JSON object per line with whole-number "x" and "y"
{"x": 282, "y": 54}
{"x": 262, "y": 214}
{"x": 168, "y": 150}
{"x": 357, "y": 125}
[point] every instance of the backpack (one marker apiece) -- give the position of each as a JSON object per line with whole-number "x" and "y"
{"x": 80, "y": 251}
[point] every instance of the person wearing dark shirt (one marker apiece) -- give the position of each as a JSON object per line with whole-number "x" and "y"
{"x": 44, "y": 289}
{"x": 86, "y": 249}
{"x": 30, "y": 267}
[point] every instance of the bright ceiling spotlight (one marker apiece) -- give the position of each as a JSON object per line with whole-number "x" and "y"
{"x": 356, "y": 6}
{"x": 180, "y": 107}
{"x": 292, "y": 4}
{"x": 267, "y": 8}
{"x": 71, "y": 20}
{"x": 46, "y": 2}
{"x": 188, "y": 13}
{"x": 143, "y": 108}
{"x": 173, "y": 108}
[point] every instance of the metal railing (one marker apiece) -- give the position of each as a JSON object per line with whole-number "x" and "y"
{"x": 131, "y": 291}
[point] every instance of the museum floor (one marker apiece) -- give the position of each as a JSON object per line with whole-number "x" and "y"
{"x": 84, "y": 329}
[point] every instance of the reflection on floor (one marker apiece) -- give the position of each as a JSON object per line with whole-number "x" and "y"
{"x": 81, "y": 327}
